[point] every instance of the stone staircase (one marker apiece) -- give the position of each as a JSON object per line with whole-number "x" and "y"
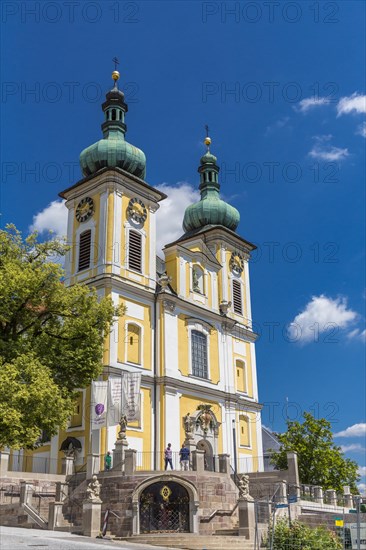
{"x": 191, "y": 541}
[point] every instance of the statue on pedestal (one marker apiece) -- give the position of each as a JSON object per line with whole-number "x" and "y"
{"x": 243, "y": 486}
{"x": 123, "y": 426}
{"x": 93, "y": 490}
{"x": 188, "y": 426}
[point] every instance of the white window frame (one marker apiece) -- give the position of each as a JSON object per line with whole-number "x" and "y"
{"x": 200, "y": 328}
{"x": 243, "y": 361}
{"x": 141, "y": 347}
{"x": 237, "y": 279}
{"x": 241, "y": 413}
{"x": 129, "y": 227}
{"x": 85, "y": 226}
{"x": 203, "y": 279}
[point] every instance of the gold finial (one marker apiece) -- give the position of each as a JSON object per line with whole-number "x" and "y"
{"x": 207, "y": 139}
{"x": 115, "y": 73}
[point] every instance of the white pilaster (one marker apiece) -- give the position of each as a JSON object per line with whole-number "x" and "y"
{"x": 113, "y": 336}
{"x": 102, "y": 252}
{"x": 72, "y": 252}
{"x": 225, "y": 293}
{"x": 172, "y": 420}
{"x": 248, "y": 312}
{"x": 182, "y": 291}
{"x": 215, "y": 301}
{"x": 230, "y": 364}
{"x": 171, "y": 344}
{"x": 152, "y": 251}
{"x": 117, "y": 233}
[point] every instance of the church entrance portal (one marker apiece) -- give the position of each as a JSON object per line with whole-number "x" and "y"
{"x": 164, "y": 508}
{"x": 205, "y": 446}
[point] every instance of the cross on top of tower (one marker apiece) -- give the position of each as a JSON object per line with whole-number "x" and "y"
{"x": 115, "y": 73}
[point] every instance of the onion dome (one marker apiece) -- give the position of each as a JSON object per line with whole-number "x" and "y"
{"x": 113, "y": 151}
{"x": 210, "y": 210}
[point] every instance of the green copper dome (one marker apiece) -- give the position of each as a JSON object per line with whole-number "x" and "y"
{"x": 113, "y": 150}
{"x": 210, "y": 210}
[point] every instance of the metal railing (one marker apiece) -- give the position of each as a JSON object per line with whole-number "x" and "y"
{"x": 34, "y": 464}
{"x": 9, "y": 494}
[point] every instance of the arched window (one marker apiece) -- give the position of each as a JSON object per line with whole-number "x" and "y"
{"x": 113, "y": 114}
{"x": 199, "y": 354}
{"x": 84, "y": 250}
{"x": 135, "y": 251}
{"x": 133, "y": 344}
{"x": 197, "y": 279}
{"x": 241, "y": 384}
{"x": 244, "y": 435}
{"x": 237, "y": 298}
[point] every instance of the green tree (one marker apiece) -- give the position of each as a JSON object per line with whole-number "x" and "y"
{"x": 51, "y": 338}
{"x": 320, "y": 461}
{"x": 301, "y": 536}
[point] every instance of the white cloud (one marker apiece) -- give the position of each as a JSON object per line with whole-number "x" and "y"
{"x": 357, "y": 430}
{"x": 362, "y": 471}
{"x": 362, "y": 488}
{"x": 276, "y": 125}
{"x": 354, "y": 103}
{"x": 310, "y": 102}
{"x": 52, "y": 218}
{"x": 329, "y": 153}
{"x": 357, "y": 334}
{"x": 354, "y": 447}
{"x": 171, "y": 212}
{"x": 321, "y": 314}
{"x": 361, "y": 130}
{"x": 325, "y": 151}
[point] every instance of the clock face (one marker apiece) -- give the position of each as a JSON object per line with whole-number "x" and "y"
{"x": 136, "y": 210}
{"x": 85, "y": 209}
{"x": 236, "y": 263}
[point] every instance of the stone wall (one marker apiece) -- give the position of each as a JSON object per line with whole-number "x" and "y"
{"x": 217, "y": 500}
{"x": 11, "y": 511}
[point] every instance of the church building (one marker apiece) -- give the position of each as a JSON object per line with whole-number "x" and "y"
{"x": 187, "y": 323}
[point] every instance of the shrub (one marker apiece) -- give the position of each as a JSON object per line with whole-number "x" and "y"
{"x": 302, "y": 537}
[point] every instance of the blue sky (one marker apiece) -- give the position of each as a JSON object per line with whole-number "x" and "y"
{"x": 282, "y": 88}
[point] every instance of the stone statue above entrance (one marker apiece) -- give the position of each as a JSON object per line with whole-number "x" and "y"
{"x": 201, "y": 429}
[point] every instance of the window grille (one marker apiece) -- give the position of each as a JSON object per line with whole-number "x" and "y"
{"x": 237, "y": 298}
{"x": 84, "y": 250}
{"x": 135, "y": 251}
{"x": 199, "y": 354}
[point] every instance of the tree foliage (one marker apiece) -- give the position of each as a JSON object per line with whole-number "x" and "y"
{"x": 320, "y": 461}
{"x": 51, "y": 338}
{"x": 301, "y": 536}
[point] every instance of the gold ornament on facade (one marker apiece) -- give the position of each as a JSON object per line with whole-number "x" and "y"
{"x": 165, "y": 492}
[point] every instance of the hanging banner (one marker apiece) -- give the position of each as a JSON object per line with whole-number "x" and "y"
{"x": 131, "y": 383}
{"x": 99, "y": 399}
{"x": 114, "y": 401}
